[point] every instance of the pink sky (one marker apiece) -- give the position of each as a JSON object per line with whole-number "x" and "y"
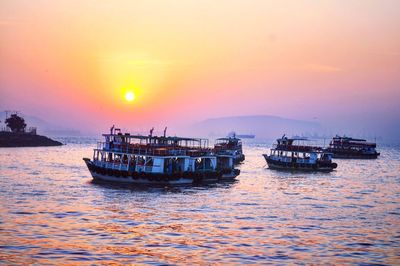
{"x": 69, "y": 61}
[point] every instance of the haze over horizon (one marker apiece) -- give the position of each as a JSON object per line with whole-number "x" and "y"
{"x": 72, "y": 62}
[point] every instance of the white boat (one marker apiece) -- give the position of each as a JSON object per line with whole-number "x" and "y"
{"x": 158, "y": 160}
{"x": 296, "y": 154}
{"x": 231, "y": 146}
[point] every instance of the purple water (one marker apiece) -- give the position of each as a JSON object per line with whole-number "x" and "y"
{"x": 51, "y": 213}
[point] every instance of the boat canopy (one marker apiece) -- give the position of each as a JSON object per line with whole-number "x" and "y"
{"x": 157, "y": 140}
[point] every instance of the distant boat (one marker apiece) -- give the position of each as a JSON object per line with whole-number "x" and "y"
{"x": 350, "y": 148}
{"x": 293, "y": 154}
{"x": 246, "y": 136}
{"x": 241, "y": 136}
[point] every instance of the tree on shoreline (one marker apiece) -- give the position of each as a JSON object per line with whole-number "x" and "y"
{"x": 16, "y": 123}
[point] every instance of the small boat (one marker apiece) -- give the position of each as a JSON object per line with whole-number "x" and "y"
{"x": 295, "y": 154}
{"x": 230, "y": 146}
{"x": 351, "y": 148}
{"x": 158, "y": 160}
{"x": 246, "y": 136}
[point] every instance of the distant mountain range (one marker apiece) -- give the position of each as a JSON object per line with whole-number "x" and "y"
{"x": 263, "y": 126}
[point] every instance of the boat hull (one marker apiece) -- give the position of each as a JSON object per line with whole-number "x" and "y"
{"x": 115, "y": 176}
{"x": 228, "y": 176}
{"x": 289, "y": 166}
{"x": 139, "y": 181}
{"x": 346, "y": 155}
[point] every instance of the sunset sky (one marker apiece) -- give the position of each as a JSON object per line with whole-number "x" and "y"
{"x": 71, "y": 62}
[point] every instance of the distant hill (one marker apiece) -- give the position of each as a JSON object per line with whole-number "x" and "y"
{"x": 263, "y": 126}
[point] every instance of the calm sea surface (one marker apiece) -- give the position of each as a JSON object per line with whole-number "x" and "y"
{"x": 51, "y": 213}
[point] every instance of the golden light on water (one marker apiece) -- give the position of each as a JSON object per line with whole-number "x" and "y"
{"x": 129, "y": 96}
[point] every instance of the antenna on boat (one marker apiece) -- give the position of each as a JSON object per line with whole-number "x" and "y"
{"x": 151, "y": 132}
{"x": 165, "y": 132}
{"x": 112, "y": 129}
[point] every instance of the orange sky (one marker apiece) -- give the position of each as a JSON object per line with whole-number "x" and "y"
{"x": 70, "y": 61}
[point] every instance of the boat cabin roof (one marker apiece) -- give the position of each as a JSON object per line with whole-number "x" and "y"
{"x": 347, "y": 138}
{"x": 287, "y": 144}
{"x": 293, "y": 139}
{"x": 158, "y": 140}
{"x": 353, "y": 141}
{"x": 175, "y": 138}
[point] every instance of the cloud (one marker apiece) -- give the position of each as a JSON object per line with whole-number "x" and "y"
{"x": 390, "y": 53}
{"x": 135, "y": 61}
{"x": 149, "y": 62}
{"x": 320, "y": 68}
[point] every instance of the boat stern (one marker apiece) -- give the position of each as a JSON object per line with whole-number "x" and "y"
{"x": 230, "y": 174}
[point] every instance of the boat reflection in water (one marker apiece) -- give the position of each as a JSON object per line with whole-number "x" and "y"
{"x": 145, "y": 188}
{"x": 158, "y": 160}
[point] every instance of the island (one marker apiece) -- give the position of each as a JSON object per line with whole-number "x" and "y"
{"x": 15, "y": 134}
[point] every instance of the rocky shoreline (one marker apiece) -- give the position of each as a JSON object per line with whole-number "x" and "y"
{"x": 10, "y": 139}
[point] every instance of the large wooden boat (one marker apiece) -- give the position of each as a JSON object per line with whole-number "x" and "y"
{"x": 351, "y": 148}
{"x": 296, "y": 154}
{"x": 158, "y": 160}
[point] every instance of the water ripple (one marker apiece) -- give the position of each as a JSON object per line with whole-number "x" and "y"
{"x": 51, "y": 213}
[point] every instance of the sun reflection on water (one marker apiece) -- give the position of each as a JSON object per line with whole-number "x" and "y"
{"x": 52, "y": 213}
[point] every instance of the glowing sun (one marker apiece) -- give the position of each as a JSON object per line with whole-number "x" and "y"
{"x": 129, "y": 96}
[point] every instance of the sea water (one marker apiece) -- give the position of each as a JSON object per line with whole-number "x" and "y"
{"x": 52, "y": 213}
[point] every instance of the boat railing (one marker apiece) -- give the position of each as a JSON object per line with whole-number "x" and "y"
{"x": 350, "y": 144}
{"x": 151, "y": 150}
{"x": 113, "y": 165}
{"x": 298, "y": 148}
